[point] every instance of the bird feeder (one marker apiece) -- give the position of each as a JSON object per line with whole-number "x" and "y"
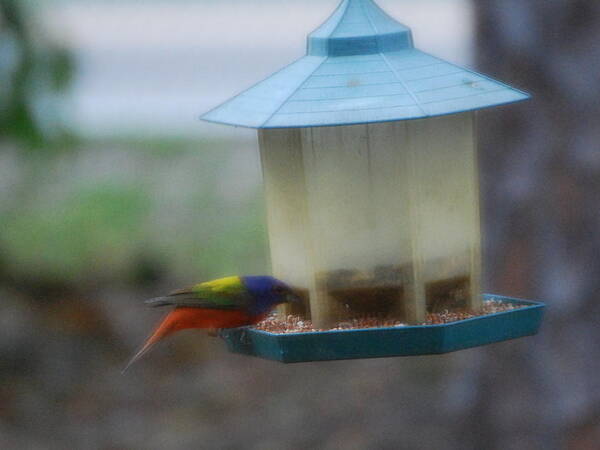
{"x": 368, "y": 149}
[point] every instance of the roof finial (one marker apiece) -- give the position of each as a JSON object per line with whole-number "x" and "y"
{"x": 358, "y": 27}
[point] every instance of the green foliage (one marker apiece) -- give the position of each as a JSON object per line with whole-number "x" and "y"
{"x": 94, "y": 232}
{"x": 116, "y": 212}
{"x": 32, "y": 74}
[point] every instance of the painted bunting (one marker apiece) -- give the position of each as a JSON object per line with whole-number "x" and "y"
{"x": 228, "y": 302}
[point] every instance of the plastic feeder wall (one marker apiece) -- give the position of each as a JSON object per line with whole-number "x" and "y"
{"x": 370, "y": 166}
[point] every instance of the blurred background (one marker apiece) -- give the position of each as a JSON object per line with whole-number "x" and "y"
{"x": 113, "y": 191}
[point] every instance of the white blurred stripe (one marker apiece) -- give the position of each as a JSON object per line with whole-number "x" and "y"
{"x": 157, "y": 66}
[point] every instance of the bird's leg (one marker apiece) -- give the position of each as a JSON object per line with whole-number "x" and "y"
{"x": 212, "y": 332}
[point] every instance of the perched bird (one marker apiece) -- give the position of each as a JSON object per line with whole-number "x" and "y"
{"x": 228, "y": 302}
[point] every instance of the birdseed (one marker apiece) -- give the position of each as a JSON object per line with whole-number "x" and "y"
{"x": 296, "y": 324}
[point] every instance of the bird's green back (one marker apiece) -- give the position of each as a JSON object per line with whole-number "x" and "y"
{"x": 224, "y": 292}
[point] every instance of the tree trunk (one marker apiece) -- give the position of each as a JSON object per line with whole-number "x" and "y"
{"x": 541, "y": 193}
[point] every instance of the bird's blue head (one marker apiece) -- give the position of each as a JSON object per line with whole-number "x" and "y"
{"x": 268, "y": 292}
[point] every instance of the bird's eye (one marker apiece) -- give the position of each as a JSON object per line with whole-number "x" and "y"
{"x": 279, "y": 289}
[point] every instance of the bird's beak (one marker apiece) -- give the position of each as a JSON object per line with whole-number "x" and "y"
{"x": 293, "y": 297}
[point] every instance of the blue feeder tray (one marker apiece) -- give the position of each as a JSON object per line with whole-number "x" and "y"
{"x": 390, "y": 341}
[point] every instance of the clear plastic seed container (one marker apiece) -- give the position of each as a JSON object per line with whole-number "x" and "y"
{"x": 377, "y": 219}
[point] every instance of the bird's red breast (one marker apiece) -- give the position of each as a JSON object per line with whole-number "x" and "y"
{"x": 182, "y": 318}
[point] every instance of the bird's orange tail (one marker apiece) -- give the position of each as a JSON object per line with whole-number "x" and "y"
{"x": 166, "y": 327}
{"x": 189, "y": 317}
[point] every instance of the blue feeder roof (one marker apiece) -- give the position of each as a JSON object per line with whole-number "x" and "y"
{"x": 361, "y": 67}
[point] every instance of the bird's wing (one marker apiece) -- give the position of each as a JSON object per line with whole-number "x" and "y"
{"x": 224, "y": 293}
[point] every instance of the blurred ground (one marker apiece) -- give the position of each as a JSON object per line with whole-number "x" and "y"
{"x": 113, "y": 192}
